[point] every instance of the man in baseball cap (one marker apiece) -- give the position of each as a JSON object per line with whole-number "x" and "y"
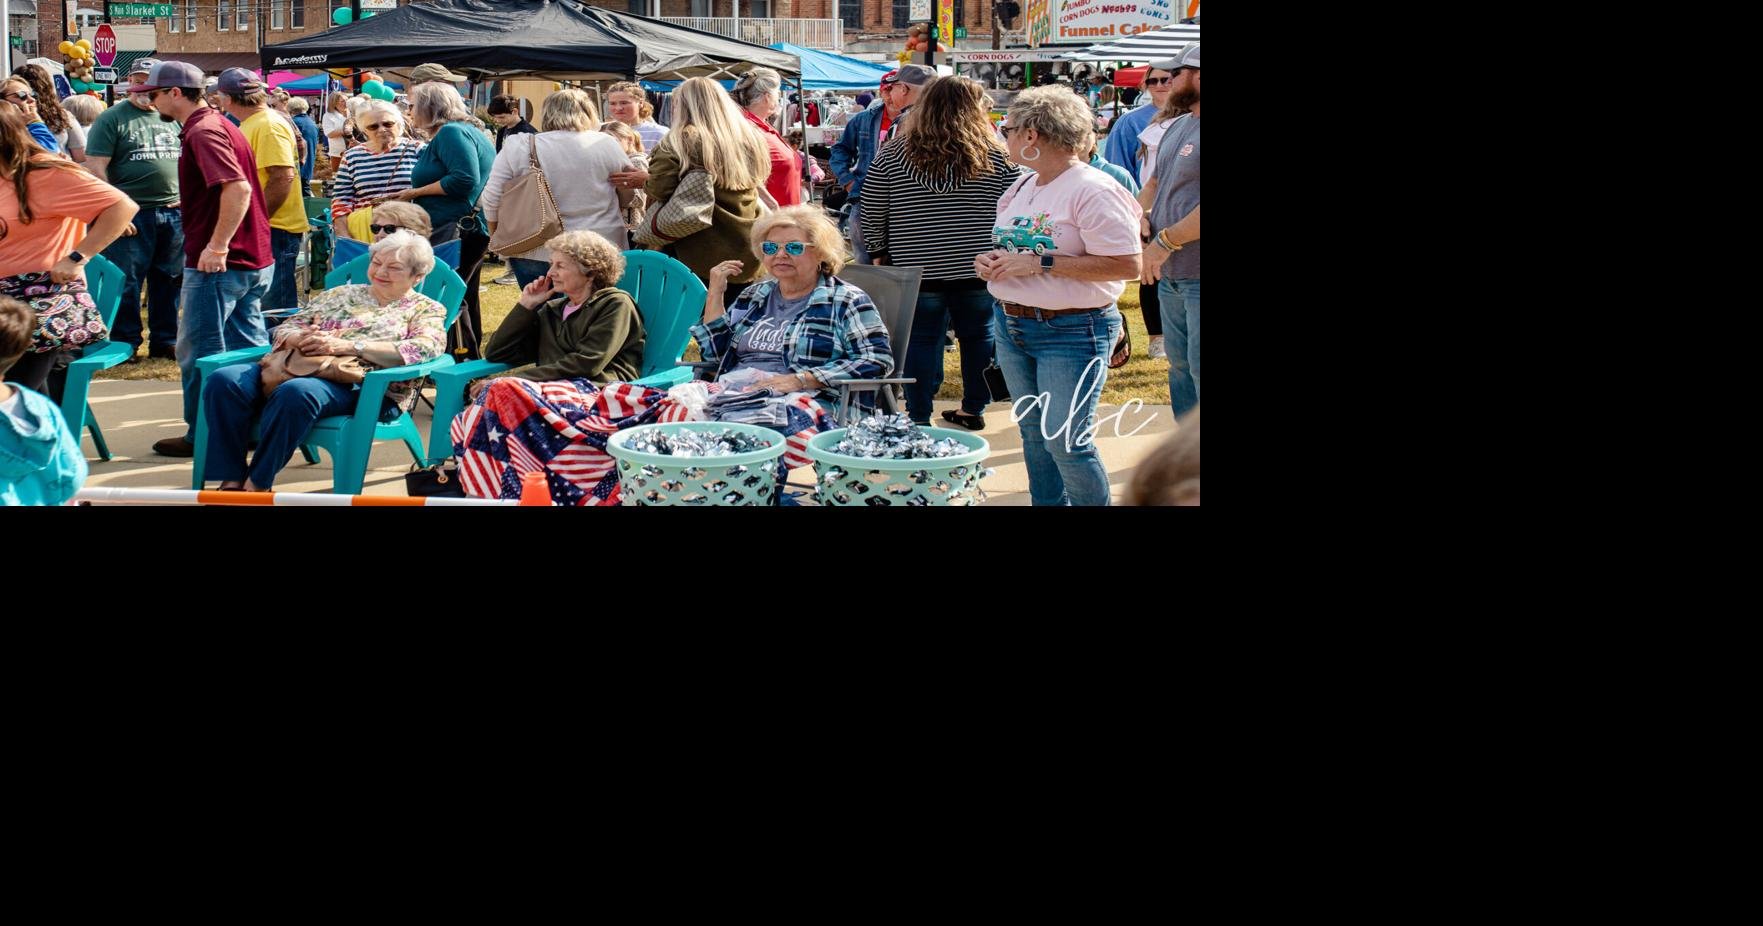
{"x": 133, "y": 149}
{"x": 900, "y": 89}
{"x": 1188, "y": 57}
{"x": 1172, "y": 256}
{"x": 165, "y": 75}
{"x": 425, "y": 73}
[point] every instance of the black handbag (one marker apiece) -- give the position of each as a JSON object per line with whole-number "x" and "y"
{"x": 439, "y": 480}
{"x": 995, "y": 382}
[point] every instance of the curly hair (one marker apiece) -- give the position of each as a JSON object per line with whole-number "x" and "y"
{"x": 951, "y": 130}
{"x": 603, "y": 263}
{"x": 48, "y": 104}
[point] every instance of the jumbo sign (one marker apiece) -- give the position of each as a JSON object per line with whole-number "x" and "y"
{"x": 1092, "y": 20}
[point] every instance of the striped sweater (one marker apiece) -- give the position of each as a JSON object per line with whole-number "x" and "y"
{"x": 365, "y": 176}
{"x": 934, "y": 223}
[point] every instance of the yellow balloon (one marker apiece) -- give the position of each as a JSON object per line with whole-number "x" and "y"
{"x": 85, "y": 43}
{"x": 64, "y": 46}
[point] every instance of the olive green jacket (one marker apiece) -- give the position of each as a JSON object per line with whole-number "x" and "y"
{"x": 731, "y": 226}
{"x": 601, "y": 341}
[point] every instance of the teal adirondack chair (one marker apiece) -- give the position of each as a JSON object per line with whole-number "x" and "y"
{"x": 104, "y": 280}
{"x": 350, "y": 438}
{"x": 669, "y": 297}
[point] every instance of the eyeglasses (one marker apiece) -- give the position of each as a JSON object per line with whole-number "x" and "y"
{"x": 1158, "y": 81}
{"x": 388, "y": 229}
{"x": 1005, "y": 130}
{"x": 793, "y": 248}
{"x": 381, "y": 125}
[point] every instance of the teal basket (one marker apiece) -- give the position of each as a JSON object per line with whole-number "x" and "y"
{"x": 742, "y": 480}
{"x": 843, "y": 480}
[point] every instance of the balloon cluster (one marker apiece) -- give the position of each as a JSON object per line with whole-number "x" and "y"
{"x": 376, "y": 88}
{"x": 79, "y": 65}
{"x": 918, "y": 39}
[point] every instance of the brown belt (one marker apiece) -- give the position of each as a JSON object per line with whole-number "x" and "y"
{"x": 1018, "y": 310}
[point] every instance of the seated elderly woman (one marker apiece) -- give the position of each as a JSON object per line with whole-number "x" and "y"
{"x": 801, "y": 328}
{"x": 573, "y": 322}
{"x": 385, "y": 323}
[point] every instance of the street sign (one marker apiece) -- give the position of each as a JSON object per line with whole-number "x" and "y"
{"x": 961, "y": 32}
{"x": 104, "y": 45}
{"x": 104, "y": 75}
{"x": 157, "y": 10}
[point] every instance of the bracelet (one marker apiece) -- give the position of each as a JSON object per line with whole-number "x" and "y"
{"x": 1165, "y": 241}
{"x": 215, "y": 250}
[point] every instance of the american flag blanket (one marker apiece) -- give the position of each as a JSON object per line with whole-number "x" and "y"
{"x": 560, "y": 428}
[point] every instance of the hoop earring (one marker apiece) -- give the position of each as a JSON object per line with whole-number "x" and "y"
{"x": 1031, "y": 157}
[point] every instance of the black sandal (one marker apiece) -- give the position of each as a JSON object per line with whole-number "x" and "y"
{"x": 1122, "y": 351}
{"x": 970, "y": 422}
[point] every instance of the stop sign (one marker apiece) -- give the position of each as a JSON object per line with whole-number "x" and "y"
{"x": 104, "y": 45}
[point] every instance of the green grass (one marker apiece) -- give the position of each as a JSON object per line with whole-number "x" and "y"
{"x": 1142, "y": 378}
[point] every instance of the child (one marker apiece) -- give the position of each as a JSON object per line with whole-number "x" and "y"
{"x": 40, "y": 463}
{"x": 632, "y": 143}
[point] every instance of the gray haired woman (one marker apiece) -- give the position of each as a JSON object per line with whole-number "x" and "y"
{"x": 758, "y": 92}
{"x": 1067, "y": 238}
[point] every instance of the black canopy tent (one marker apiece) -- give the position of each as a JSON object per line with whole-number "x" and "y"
{"x": 547, "y": 39}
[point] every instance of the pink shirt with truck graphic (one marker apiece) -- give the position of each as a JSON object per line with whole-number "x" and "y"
{"x": 1082, "y": 212}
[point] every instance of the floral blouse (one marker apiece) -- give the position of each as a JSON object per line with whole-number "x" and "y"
{"x": 416, "y": 322}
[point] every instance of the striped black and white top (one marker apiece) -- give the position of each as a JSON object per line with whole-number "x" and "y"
{"x": 365, "y": 176}
{"x": 931, "y": 222}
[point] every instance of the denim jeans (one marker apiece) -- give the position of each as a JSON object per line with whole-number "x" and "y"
{"x": 860, "y": 254}
{"x": 1180, "y": 300}
{"x": 222, "y": 311}
{"x": 972, "y": 313}
{"x": 284, "y": 290}
{"x": 526, "y": 271}
{"x": 1056, "y": 369}
{"x": 233, "y": 397}
{"x": 154, "y": 255}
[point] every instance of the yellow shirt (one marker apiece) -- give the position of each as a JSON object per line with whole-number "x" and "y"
{"x": 272, "y": 141}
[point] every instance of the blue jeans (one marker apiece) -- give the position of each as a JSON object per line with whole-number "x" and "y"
{"x": 1180, "y": 302}
{"x": 972, "y": 312}
{"x": 1056, "y": 369}
{"x": 284, "y": 290}
{"x": 860, "y": 254}
{"x": 526, "y": 271}
{"x": 154, "y": 255}
{"x": 233, "y": 397}
{"x": 222, "y": 311}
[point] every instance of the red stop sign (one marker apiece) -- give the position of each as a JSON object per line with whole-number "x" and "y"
{"x": 104, "y": 45}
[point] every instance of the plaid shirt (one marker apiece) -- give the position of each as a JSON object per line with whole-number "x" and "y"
{"x": 839, "y": 336}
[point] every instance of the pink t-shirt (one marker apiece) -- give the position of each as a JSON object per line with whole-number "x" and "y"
{"x": 1082, "y": 212}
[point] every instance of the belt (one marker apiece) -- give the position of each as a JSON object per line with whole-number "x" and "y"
{"x": 1017, "y": 310}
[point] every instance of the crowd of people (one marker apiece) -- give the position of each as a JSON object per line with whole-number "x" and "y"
{"x": 1025, "y": 233}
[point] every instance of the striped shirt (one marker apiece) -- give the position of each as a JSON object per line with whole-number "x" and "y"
{"x": 365, "y": 176}
{"x": 934, "y": 223}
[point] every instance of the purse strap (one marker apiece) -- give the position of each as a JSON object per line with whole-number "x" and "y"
{"x": 544, "y": 182}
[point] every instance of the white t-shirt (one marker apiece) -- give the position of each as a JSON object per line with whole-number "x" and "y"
{"x": 74, "y": 137}
{"x": 333, "y": 122}
{"x": 1152, "y": 136}
{"x": 1082, "y": 212}
{"x": 579, "y": 167}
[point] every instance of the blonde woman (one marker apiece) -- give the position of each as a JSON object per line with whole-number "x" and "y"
{"x": 578, "y": 163}
{"x": 336, "y": 128}
{"x": 626, "y": 103}
{"x": 709, "y": 133}
{"x": 446, "y": 182}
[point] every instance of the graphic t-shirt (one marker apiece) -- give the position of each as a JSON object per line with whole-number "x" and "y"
{"x": 760, "y": 346}
{"x": 1082, "y": 212}
{"x": 143, "y": 153}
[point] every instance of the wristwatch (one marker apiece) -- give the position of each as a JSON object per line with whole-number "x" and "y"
{"x": 1046, "y": 263}
{"x": 76, "y": 257}
{"x": 358, "y": 347}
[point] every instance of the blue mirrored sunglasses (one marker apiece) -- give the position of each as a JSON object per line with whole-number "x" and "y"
{"x": 794, "y": 248}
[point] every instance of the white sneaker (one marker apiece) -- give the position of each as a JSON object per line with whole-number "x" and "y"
{"x": 1157, "y": 351}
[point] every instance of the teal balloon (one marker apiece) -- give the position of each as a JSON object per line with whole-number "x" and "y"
{"x": 367, "y": 15}
{"x": 372, "y": 88}
{"x": 384, "y": 93}
{"x": 343, "y": 17}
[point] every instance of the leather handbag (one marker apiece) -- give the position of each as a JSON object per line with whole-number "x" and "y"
{"x": 529, "y": 211}
{"x": 438, "y": 481}
{"x": 279, "y": 366}
{"x": 689, "y": 211}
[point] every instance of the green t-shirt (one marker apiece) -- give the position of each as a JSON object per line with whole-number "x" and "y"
{"x": 143, "y": 153}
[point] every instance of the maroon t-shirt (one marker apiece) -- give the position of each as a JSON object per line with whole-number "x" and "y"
{"x": 215, "y": 152}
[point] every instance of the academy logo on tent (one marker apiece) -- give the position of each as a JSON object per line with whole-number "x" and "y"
{"x": 303, "y": 59}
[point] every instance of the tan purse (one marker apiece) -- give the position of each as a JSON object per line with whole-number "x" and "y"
{"x": 688, "y": 211}
{"x": 529, "y": 212}
{"x": 279, "y": 366}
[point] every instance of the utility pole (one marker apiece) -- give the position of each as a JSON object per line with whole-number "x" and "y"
{"x": 355, "y": 17}
{"x": 109, "y": 88}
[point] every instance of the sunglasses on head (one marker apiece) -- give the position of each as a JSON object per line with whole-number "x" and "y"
{"x": 793, "y": 248}
{"x": 388, "y": 229}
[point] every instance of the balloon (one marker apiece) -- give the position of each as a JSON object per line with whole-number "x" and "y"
{"x": 65, "y": 47}
{"x": 84, "y": 43}
{"x": 372, "y": 88}
{"x": 369, "y": 75}
{"x": 343, "y": 17}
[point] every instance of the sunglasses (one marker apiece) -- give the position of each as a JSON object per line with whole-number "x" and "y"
{"x": 380, "y": 125}
{"x": 1005, "y": 130}
{"x": 1158, "y": 81}
{"x": 388, "y": 229}
{"x": 794, "y": 248}
{"x": 21, "y": 96}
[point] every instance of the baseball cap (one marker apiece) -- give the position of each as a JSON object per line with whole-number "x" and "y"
{"x": 169, "y": 74}
{"x": 427, "y": 72}
{"x": 913, "y": 75}
{"x": 238, "y": 80}
{"x": 1188, "y": 57}
{"x": 143, "y": 66}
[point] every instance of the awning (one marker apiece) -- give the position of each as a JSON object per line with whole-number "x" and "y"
{"x": 823, "y": 70}
{"x": 1131, "y": 77}
{"x": 1148, "y": 46}
{"x": 125, "y": 60}
{"x": 213, "y": 62}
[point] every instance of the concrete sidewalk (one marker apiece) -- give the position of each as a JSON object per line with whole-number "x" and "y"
{"x": 135, "y": 413}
